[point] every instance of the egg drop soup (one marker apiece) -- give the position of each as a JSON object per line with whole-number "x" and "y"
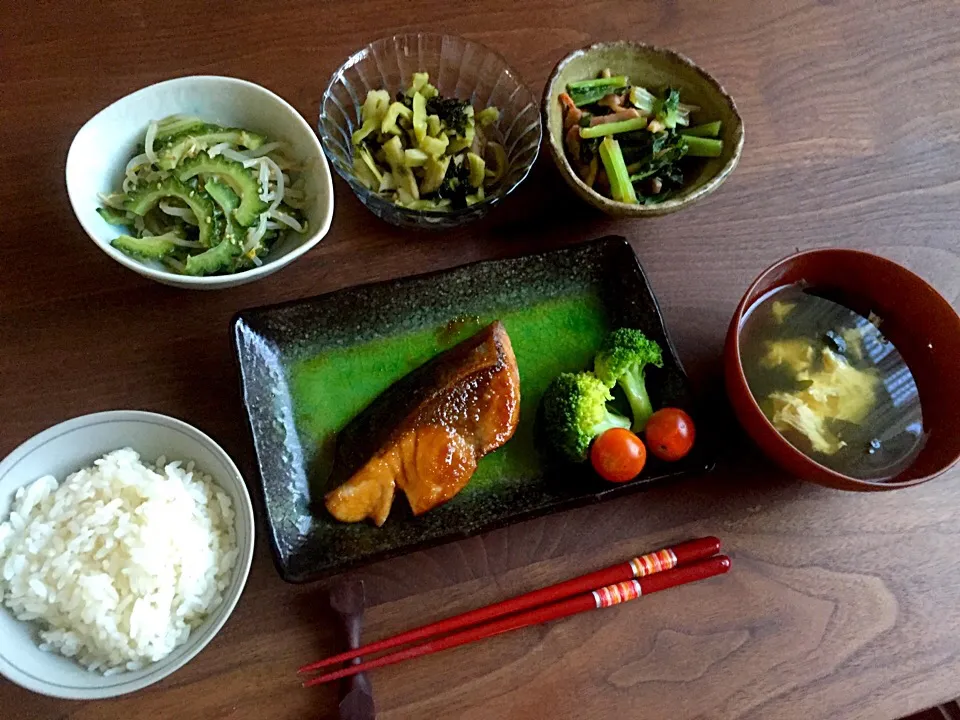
{"x": 831, "y": 383}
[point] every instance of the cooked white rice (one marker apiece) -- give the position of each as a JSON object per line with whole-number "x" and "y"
{"x": 119, "y": 562}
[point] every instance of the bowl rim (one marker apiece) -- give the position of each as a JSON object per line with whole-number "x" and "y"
{"x": 369, "y": 197}
{"x": 212, "y": 281}
{"x": 819, "y": 473}
{"x": 196, "y": 643}
{"x": 566, "y": 170}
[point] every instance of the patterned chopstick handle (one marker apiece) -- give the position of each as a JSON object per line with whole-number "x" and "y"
{"x": 616, "y": 594}
{"x": 653, "y": 562}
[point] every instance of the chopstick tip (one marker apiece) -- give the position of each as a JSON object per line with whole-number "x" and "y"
{"x": 314, "y": 666}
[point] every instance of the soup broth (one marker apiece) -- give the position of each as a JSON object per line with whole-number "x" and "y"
{"x": 831, "y": 383}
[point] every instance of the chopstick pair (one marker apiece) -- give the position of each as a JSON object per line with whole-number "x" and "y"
{"x": 656, "y": 571}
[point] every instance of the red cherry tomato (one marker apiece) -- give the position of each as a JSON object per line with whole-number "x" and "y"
{"x": 618, "y": 455}
{"x": 670, "y": 433}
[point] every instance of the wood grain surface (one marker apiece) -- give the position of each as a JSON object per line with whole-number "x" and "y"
{"x": 838, "y": 605}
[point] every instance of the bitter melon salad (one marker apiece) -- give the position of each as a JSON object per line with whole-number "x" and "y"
{"x": 205, "y": 199}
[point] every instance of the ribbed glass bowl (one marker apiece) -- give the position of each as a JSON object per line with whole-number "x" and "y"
{"x": 458, "y": 68}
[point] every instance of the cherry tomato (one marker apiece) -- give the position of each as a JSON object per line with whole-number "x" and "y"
{"x": 670, "y": 433}
{"x": 618, "y": 455}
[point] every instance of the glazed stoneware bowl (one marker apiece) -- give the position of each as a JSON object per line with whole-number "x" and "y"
{"x": 74, "y": 444}
{"x": 920, "y": 323}
{"x": 102, "y": 147}
{"x": 458, "y": 68}
{"x": 654, "y": 68}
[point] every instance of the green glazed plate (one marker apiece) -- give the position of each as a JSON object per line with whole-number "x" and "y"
{"x": 309, "y": 366}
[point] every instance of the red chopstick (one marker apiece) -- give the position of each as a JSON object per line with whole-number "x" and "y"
{"x": 604, "y": 597}
{"x": 648, "y": 564}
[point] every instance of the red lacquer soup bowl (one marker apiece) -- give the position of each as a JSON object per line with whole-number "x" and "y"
{"x": 922, "y": 325}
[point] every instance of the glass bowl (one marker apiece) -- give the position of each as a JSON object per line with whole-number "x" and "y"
{"x": 458, "y": 68}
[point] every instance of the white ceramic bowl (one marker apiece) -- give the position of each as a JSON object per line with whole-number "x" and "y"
{"x": 74, "y": 444}
{"x": 101, "y": 149}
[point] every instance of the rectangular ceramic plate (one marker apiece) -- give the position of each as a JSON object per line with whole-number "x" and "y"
{"x": 309, "y": 366}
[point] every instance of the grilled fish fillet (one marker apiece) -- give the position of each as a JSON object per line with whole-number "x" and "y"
{"x": 427, "y": 431}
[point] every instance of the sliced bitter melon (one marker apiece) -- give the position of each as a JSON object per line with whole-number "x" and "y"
{"x": 241, "y": 180}
{"x": 222, "y": 256}
{"x": 150, "y": 248}
{"x": 143, "y": 199}
{"x": 189, "y": 144}
{"x": 212, "y": 260}
{"x": 114, "y": 217}
{"x": 228, "y": 201}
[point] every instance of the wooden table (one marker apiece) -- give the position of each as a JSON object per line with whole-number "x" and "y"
{"x": 839, "y": 605}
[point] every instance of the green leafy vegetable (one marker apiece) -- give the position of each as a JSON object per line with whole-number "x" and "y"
{"x": 642, "y": 99}
{"x": 620, "y": 186}
{"x": 651, "y": 142}
{"x": 703, "y": 147}
{"x": 603, "y": 82}
{"x": 657, "y": 163}
{"x": 613, "y": 128}
{"x": 587, "y": 92}
{"x": 666, "y": 108}
{"x": 707, "y": 130}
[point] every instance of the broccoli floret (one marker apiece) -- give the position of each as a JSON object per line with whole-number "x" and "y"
{"x": 622, "y": 361}
{"x": 452, "y": 111}
{"x": 575, "y": 412}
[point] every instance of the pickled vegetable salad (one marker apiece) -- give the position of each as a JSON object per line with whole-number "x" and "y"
{"x": 426, "y": 152}
{"x": 205, "y": 199}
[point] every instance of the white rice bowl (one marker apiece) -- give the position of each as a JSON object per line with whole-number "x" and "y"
{"x": 118, "y": 564}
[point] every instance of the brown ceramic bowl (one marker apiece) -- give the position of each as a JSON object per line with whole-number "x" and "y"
{"x": 915, "y": 318}
{"x": 655, "y": 68}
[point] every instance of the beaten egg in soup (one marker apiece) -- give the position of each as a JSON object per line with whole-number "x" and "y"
{"x": 831, "y": 383}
